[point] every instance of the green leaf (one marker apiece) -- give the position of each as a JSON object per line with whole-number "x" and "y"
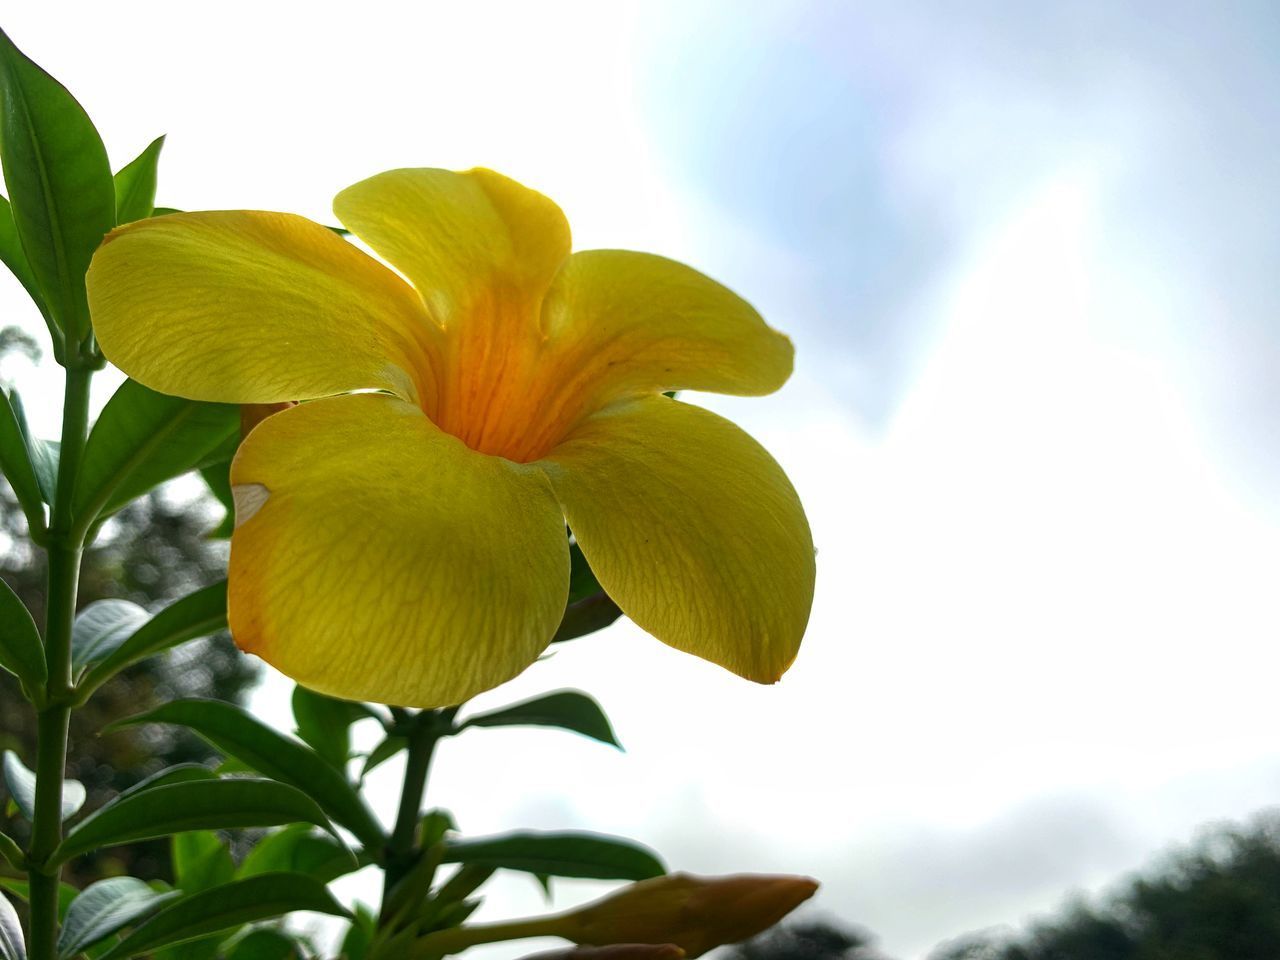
{"x": 566, "y": 709}
{"x": 197, "y": 805}
{"x": 16, "y": 463}
{"x": 178, "y": 773}
{"x": 264, "y": 944}
{"x": 383, "y": 752}
{"x": 226, "y": 907}
{"x": 100, "y": 629}
{"x": 325, "y": 723}
{"x": 236, "y": 732}
{"x": 589, "y": 608}
{"x": 21, "y": 652}
{"x": 200, "y": 861}
{"x": 202, "y": 948}
{"x": 13, "y": 257}
{"x": 59, "y": 182}
{"x": 298, "y": 849}
{"x": 22, "y": 784}
{"x": 582, "y": 581}
{"x": 584, "y": 855}
{"x": 22, "y": 890}
{"x": 217, "y": 476}
{"x": 359, "y": 936}
{"x": 142, "y": 439}
{"x": 135, "y": 185}
{"x": 12, "y": 853}
{"x": 44, "y": 461}
{"x": 195, "y": 615}
{"x": 12, "y": 944}
{"x": 104, "y": 908}
{"x": 43, "y": 454}
{"x": 586, "y": 616}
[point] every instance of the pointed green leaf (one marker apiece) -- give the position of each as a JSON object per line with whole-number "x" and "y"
{"x": 59, "y": 181}
{"x": 100, "y": 629}
{"x": 325, "y": 723}
{"x": 226, "y": 907}
{"x": 200, "y": 861}
{"x": 12, "y": 853}
{"x": 584, "y": 855}
{"x": 566, "y": 709}
{"x": 197, "y": 805}
{"x": 21, "y": 652}
{"x": 105, "y": 908}
{"x": 142, "y": 439}
{"x": 589, "y": 608}
{"x": 299, "y": 849}
{"x": 195, "y": 615}
{"x": 44, "y": 460}
{"x": 586, "y": 616}
{"x": 12, "y": 944}
{"x": 13, "y": 256}
{"x": 359, "y": 936}
{"x": 178, "y": 773}
{"x": 383, "y": 752}
{"x": 43, "y": 454}
{"x": 238, "y": 733}
{"x": 135, "y": 185}
{"x": 22, "y": 784}
{"x": 16, "y": 465}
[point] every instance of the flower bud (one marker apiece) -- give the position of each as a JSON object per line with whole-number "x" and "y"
{"x": 694, "y": 913}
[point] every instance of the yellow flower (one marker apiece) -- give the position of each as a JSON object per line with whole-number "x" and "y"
{"x": 401, "y": 537}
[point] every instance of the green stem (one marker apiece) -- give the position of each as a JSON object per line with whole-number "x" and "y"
{"x": 53, "y": 719}
{"x": 402, "y": 853}
{"x": 457, "y": 939}
{"x": 401, "y": 846}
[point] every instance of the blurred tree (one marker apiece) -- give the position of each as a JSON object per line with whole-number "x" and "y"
{"x": 807, "y": 940}
{"x": 1218, "y": 899}
{"x": 152, "y": 552}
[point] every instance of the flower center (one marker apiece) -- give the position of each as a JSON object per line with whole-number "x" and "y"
{"x": 498, "y": 389}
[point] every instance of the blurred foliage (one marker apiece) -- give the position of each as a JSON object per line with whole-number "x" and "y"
{"x": 152, "y": 552}
{"x": 1218, "y": 899}
{"x": 807, "y": 940}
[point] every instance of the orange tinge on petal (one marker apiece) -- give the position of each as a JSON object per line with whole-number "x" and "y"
{"x": 252, "y": 414}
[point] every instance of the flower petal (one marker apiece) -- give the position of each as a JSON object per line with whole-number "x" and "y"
{"x": 620, "y": 323}
{"x": 255, "y": 307}
{"x": 381, "y": 559}
{"x": 458, "y": 236}
{"x": 693, "y": 529}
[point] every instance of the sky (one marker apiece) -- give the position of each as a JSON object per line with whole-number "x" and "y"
{"x": 1027, "y": 254}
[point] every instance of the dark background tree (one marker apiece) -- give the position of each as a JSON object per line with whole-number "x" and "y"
{"x": 808, "y": 940}
{"x": 1218, "y": 899}
{"x": 152, "y": 552}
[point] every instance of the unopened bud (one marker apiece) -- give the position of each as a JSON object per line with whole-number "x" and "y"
{"x": 694, "y": 913}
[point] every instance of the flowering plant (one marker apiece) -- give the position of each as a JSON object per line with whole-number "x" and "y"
{"x": 439, "y": 463}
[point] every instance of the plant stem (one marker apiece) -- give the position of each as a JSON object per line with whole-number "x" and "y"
{"x": 401, "y": 850}
{"x": 457, "y": 939}
{"x": 53, "y": 719}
